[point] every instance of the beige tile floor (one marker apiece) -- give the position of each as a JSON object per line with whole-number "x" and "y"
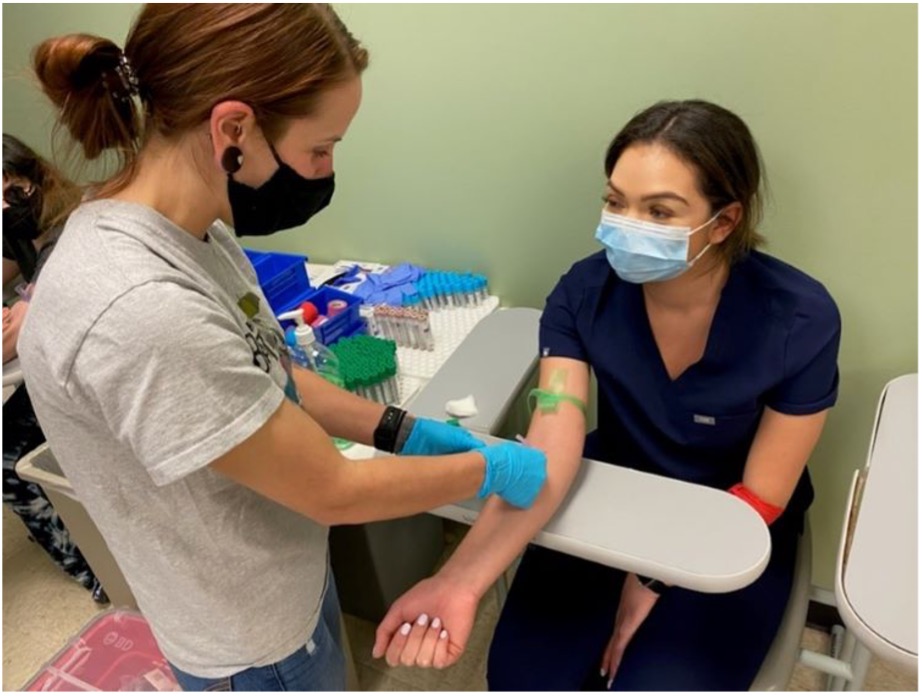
{"x": 43, "y": 609}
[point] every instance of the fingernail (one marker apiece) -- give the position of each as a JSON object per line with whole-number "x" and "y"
{"x": 405, "y": 629}
{"x": 602, "y": 672}
{"x": 422, "y": 620}
{"x": 443, "y": 635}
{"x": 609, "y": 683}
{"x": 436, "y": 623}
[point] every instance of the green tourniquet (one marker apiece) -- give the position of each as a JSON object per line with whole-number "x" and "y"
{"x": 547, "y": 400}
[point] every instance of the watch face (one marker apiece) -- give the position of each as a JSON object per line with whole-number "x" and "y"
{"x": 385, "y": 435}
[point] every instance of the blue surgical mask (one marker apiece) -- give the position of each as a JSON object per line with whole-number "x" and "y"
{"x": 646, "y": 252}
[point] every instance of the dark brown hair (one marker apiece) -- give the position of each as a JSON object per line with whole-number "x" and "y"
{"x": 718, "y": 144}
{"x": 53, "y": 196}
{"x": 186, "y": 58}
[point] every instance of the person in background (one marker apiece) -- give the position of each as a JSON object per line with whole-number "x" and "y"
{"x": 203, "y": 456}
{"x": 716, "y": 364}
{"x": 36, "y": 200}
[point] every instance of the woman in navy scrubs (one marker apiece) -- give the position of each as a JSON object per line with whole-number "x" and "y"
{"x": 716, "y": 364}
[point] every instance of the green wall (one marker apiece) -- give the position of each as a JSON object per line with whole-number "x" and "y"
{"x": 480, "y": 141}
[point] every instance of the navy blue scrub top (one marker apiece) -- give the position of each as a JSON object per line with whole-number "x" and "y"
{"x": 773, "y": 342}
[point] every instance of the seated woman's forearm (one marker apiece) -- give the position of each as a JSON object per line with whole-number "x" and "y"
{"x": 502, "y": 531}
{"x": 779, "y": 453}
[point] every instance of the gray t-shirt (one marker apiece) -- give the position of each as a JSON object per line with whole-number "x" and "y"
{"x": 149, "y": 353}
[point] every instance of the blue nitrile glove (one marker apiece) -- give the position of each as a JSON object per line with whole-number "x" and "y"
{"x": 348, "y": 277}
{"x": 430, "y": 437}
{"x": 516, "y": 473}
{"x": 369, "y": 287}
{"x": 400, "y": 275}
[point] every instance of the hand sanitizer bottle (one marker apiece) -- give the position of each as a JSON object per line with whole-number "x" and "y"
{"x": 310, "y": 353}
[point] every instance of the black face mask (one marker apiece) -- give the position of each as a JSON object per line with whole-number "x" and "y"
{"x": 19, "y": 222}
{"x": 286, "y": 200}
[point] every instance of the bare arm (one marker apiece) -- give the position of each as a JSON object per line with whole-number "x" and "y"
{"x": 779, "y": 453}
{"x": 498, "y": 536}
{"x": 292, "y": 461}
{"x": 502, "y": 531}
{"x": 12, "y": 323}
{"x": 339, "y": 412}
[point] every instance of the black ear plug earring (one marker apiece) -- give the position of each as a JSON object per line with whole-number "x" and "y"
{"x": 232, "y": 160}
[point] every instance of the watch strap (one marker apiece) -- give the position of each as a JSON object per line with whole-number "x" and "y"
{"x": 403, "y": 432}
{"x": 385, "y": 435}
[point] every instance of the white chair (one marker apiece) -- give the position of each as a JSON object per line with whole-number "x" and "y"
{"x": 779, "y": 663}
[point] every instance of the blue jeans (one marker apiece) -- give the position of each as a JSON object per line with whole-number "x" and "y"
{"x": 317, "y": 666}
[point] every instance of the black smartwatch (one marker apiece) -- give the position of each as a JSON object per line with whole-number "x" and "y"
{"x": 652, "y": 584}
{"x": 385, "y": 436}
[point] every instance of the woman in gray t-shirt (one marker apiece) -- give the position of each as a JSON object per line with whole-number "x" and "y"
{"x": 211, "y": 488}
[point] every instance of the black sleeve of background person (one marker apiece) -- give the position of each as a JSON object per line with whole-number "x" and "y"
{"x": 45, "y": 252}
{"x": 22, "y": 251}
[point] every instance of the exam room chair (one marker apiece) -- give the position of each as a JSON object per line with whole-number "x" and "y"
{"x": 778, "y": 666}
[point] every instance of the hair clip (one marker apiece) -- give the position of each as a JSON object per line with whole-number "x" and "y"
{"x": 128, "y": 77}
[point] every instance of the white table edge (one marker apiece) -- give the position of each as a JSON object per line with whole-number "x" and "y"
{"x": 866, "y": 635}
{"x": 712, "y": 584}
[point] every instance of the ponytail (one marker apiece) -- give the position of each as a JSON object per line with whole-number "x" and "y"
{"x": 91, "y": 82}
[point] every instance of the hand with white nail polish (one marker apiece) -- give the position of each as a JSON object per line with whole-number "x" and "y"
{"x": 404, "y": 650}
{"x": 428, "y": 626}
{"x": 433, "y": 641}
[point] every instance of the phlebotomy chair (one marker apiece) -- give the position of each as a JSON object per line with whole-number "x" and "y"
{"x": 778, "y": 666}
